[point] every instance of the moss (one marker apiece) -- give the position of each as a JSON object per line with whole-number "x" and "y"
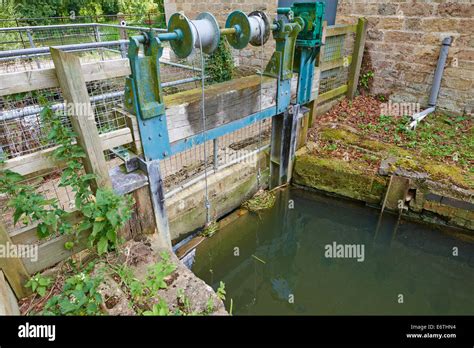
{"x": 405, "y": 158}
{"x": 340, "y": 177}
{"x": 448, "y": 172}
{"x": 339, "y": 134}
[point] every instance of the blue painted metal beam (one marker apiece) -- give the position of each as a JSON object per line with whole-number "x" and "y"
{"x": 187, "y": 143}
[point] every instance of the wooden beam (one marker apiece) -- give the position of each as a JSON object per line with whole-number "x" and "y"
{"x": 332, "y": 94}
{"x": 353, "y": 78}
{"x": 26, "y": 81}
{"x": 73, "y": 87}
{"x": 340, "y": 29}
{"x": 53, "y": 251}
{"x": 8, "y": 302}
{"x": 225, "y": 102}
{"x": 42, "y": 161}
{"x": 336, "y": 63}
{"x": 13, "y": 267}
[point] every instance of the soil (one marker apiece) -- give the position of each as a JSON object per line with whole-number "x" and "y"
{"x": 345, "y": 131}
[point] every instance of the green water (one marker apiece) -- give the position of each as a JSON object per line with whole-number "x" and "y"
{"x": 276, "y": 264}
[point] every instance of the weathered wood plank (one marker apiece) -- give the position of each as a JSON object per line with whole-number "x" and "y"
{"x": 332, "y": 93}
{"x": 359, "y": 44}
{"x": 42, "y": 161}
{"x": 25, "y": 81}
{"x": 52, "y": 251}
{"x": 8, "y": 302}
{"x": 13, "y": 267}
{"x": 336, "y": 63}
{"x": 73, "y": 86}
{"x": 340, "y": 29}
{"x": 225, "y": 102}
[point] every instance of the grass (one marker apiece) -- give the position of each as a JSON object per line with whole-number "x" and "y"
{"x": 261, "y": 200}
{"x": 439, "y": 137}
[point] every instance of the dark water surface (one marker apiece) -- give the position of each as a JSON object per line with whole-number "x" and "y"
{"x": 281, "y": 267}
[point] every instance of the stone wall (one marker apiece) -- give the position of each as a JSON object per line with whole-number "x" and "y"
{"x": 403, "y": 44}
{"x": 250, "y": 56}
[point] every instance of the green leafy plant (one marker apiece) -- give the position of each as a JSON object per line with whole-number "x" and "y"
{"x": 160, "y": 308}
{"x": 78, "y": 297}
{"x": 221, "y": 291}
{"x": 104, "y": 213}
{"x": 219, "y": 65}
{"x": 365, "y": 79}
{"x": 157, "y": 273}
{"x": 39, "y": 284}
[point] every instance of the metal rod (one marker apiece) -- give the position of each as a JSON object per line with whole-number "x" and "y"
{"x": 78, "y": 25}
{"x": 32, "y": 44}
{"x": 228, "y": 31}
{"x": 215, "y": 152}
{"x": 180, "y": 65}
{"x": 35, "y": 109}
{"x": 39, "y": 50}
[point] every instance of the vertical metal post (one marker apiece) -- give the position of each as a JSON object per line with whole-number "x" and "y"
{"x": 144, "y": 98}
{"x": 123, "y": 36}
{"x": 19, "y": 32}
{"x": 98, "y": 39}
{"x": 216, "y": 154}
{"x": 32, "y": 44}
{"x": 282, "y": 153}
{"x": 158, "y": 200}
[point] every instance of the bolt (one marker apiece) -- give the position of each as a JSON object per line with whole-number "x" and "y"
{"x": 165, "y": 153}
{"x": 149, "y": 138}
{"x": 159, "y": 134}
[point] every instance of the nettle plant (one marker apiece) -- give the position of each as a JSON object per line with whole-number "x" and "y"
{"x": 104, "y": 212}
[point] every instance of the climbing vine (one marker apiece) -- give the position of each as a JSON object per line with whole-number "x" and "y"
{"x": 103, "y": 213}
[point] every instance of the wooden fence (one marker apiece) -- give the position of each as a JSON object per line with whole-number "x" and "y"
{"x": 71, "y": 77}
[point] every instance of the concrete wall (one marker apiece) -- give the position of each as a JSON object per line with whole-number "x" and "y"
{"x": 403, "y": 45}
{"x": 228, "y": 188}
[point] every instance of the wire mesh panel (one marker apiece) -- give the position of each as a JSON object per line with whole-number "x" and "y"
{"x": 336, "y": 48}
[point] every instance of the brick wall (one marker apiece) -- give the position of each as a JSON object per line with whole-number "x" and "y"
{"x": 403, "y": 44}
{"x": 250, "y": 56}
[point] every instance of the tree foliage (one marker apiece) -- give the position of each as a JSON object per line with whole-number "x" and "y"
{"x": 55, "y": 8}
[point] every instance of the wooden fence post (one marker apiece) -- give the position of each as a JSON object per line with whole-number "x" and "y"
{"x": 80, "y": 112}
{"x": 13, "y": 267}
{"x": 353, "y": 79}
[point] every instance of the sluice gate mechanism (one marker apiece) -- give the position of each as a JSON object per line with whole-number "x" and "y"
{"x": 298, "y": 34}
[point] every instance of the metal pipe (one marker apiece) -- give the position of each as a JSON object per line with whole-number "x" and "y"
{"x": 78, "y": 25}
{"x": 180, "y": 65}
{"x": 35, "y": 109}
{"x": 228, "y": 31}
{"x": 39, "y": 50}
{"x": 438, "y": 75}
{"x": 443, "y": 55}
